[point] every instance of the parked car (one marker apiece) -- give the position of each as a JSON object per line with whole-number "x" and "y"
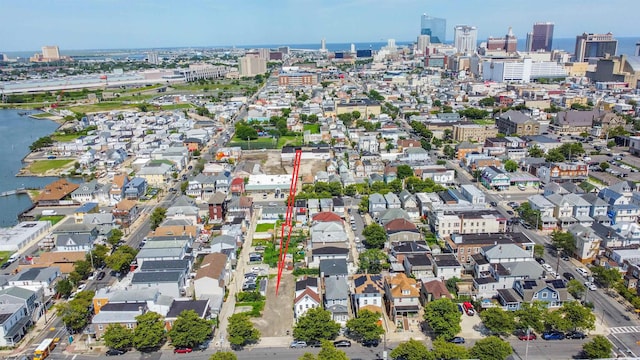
{"x": 553, "y": 335}
{"x": 371, "y": 343}
{"x": 342, "y": 343}
{"x": 493, "y": 203}
{"x": 575, "y": 335}
{"x": 457, "y": 340}
{"x": 81, "y": 287}
{"x": 582, "y": 272}
{"x": 547, "y": 267}
{"x": 591, "y": 286}
{"x": 564, "y": 257}
{"x": 115, "y": 352}
{"x": 5, "y": 265}
{"x": 527, "y": 337}
{"x": 182, "y": 350}
{"x": 510, "y": 212}
{"x": 314, "y": 343}
{"x": 568, "y": 276}
{"x": 298, "y": 345}
{"x": 540, "y": 261}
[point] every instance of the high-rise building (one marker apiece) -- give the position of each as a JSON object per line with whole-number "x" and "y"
{"x": 542, "y": 37}
{"x": 284, "y": 50}
{"x": 391, "y": 44}
{"x": 251, "y": 65}
{"x": 595, "y": 46}
{"x": 529, "y": 41}
{"x": 436, "y": 28}
{"x": 508, "y": 43}
{"x": 423, "y": 43}
{"x": 465, "y": 38}
{"x": 353, "y": 48}
{"x": 323, "y": 45}
{"x": 264, "y": 53}
{"x": 51, "y": 52}
{"x": 152, "y": 58}
{"x": 637, "y": 49}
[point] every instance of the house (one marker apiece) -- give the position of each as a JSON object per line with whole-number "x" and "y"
{"x": 54, "y": 193}
{"x": 17, "y": 314}
{"x": 392, "y": 200}
{"x": 333, "y": 268}
{"x": 217, "y": 207}
{"x": 37, "y": 279}
{"x": 446, "y": 266}
{"x": 156, "y": 173}
{"x": 551, "y": 292}
{"x": 377, "y": 203}
{"x": 184, "y": 208}
{"x": 126, "y": 212}
{"x": 402, "y": 230}
{"x": 170, "y": 283}
{"x": 402, "y": 296}
{"x": 418, "y": 265}
{"x": 85, "y": 192}
{"x": 117, "y": 313}
{"x": 597, "y": 206}
{"x": 74, "y": 242}
{"x": 160, "y": 248}
{"x": 328, "y": 232}
{"x": 433, "y": 290}
{"x": 495, "y": 179}
{"x": 466, "y": 245}
{"x": 336, "y": 298}
{"x": 367, "y": 293}
{"x": 326, "y": 216}
{"x": 307, "y": 296}
{"x": 116, "y": 191}
{"x": 547, "y": 210}
{"x": 153, "y": 299}
{"x": 135, "y": 188}
{"x": 212, "y": 276}
{"x": 333, "y": 252}
{"x": 338, "y": 206}
{"x": 587, "y": 243}
{"x": 178, "y": 306}
{"x": 237, "y": 186}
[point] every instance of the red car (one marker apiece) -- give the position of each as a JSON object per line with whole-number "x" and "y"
{"x": 182, "y": 350}
{"x": 527, "y": 337}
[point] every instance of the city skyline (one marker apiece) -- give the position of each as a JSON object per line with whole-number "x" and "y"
{"x": 73, "y": 24}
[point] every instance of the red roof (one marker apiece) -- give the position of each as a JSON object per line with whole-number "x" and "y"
{"x": 400, "y": 225}
{"x": 326, "y": 216}
{"x": 237, "y": 181}
{"x": 312, "y": 294}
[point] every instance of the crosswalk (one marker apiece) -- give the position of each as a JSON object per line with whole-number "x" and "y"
{"x": 624, "y": 329}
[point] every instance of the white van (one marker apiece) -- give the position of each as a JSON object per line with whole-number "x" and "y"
{"x": 582, "y": 272}
{"x": 14, "y": 257}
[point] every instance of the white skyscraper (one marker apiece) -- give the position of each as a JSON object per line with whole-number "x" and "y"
{"x": 323, "y": 45}
{"x": 391, "y": 45}
{"x": 353, "y": 48}
{"x": 152, "y": 58}
{"x": 423, "y": 42}
{"x": 465, "y": 38}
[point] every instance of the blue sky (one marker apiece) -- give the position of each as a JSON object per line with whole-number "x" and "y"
{"x": 107, "y": 24}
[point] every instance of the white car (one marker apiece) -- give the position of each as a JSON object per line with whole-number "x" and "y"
{"x": 81, "y": 287}
{"x": 257, "y": 269}
{"x": 547, "y": 267}
{"x": 582, "y": 271}
{"x": 591, "y": 286}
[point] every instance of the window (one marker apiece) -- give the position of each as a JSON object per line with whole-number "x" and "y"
{"x": 100, "y": 327}
{"x": 544, "y": 295}
{"x": 306, "y": 306}
{"x": 130, "y": 326}
{"x": 365, "y": 301}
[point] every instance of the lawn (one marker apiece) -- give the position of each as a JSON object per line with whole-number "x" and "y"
{"x": 4, "y": 256}
{"x": 65, "y": 137}
{"x": 42, "y": 166}
{"x": 264, "y": 227}
{"x": 289, "y": 140}
{"x": 102, "y": 107}
{"x": 54, "y": 219}
{"x": 259, "y": 143}
{"x": 176, "y": 106}
{"x": 314, "y": 128}
{"x": 43, "y": 115}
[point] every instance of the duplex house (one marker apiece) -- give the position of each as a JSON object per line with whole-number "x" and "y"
{"x": 14, "y": 323}
{"x": 587, "y": 243}
{"x": 392, "y": 200}
{"x": 37, "y": 279}
{"x": 217, "y": 207}
{"x": 307, "y": 296}
{"x": 212, "y": 276}
{"x": 117, "y": 313}
{"x": 170, "y": 283}
{"x": 402, "y": 230}
{"x": 328, "y": 232}
{"x": 126, "y": 212}
{"x": 377, "y": 203}
{"x": 135, "y": 188}
{"x": 552, "y": 292}
{"x": 446, "y": 266}
{"x": 597, "y": 206}
{"x": 367, "y": 293}
{"x": 547, "y": 209}
{"x": 418, "y": 265}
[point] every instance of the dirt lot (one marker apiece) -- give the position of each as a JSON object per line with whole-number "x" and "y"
{"x": 277, "y": 316}
{"x": 271, "y": 164}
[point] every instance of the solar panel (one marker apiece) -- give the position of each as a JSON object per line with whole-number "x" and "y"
{"x": 529, "y": 284}
{"x": 558, "y": 283}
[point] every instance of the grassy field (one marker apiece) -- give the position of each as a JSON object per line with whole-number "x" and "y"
{"x": 289, "y": 140}
{"x": 54, "y": 219}
{"x": 43, "y": 115}
{"x": 264, "y": 227}
{"x": 101, "y": 107}
{"x": 260, "y": 143}
{"x": 42, "y": 166}
{"x": 177, "y": 106}
{"x": 314, "y": 128}
{"x": 65, "y": 137}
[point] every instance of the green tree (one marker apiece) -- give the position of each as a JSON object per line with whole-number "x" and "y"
{"x": 308, "y": 356}
{"x": 76, "y": 313}
{"x": 149, "y": 333}
{"x": 617, "y": 131}
{"x": 578, "y": 316}
{"x": 538, "y": 251}
{"x": 83, "y": 268}
{"x": 365, "y": 326}
{"x": 498, "y": 321}
{"x": 564, "y": 241}
{"x": 412, "y": 350}
{"x": 117, "y": 336}
{"x": 363, "y": 207}
{"x": 510, "y": 166}
{"x": 157, "y": 217}
{"x": 598, "y": 348}
{"x": 121, "y": 258}
{"x": 329, "y": 352}
{"x": 313, "y": 118}
{"x": 64, "y": 287}
{"x": 223, "y": 355}
{"x": 531, "y": 315}
{"x": 449, "y": 151}
{"x": 356, "y": 114}
{"x": 114, "y": 237}
{"x": 529, "y": 215}
{"x": 316, "y": 324}
{"x": 491, "y": 348}
{"x": 241, "y": 331}
{"x": 607, "y": 277}
{"x": 488, "y": 101}
{"x": 444, "y": 350}
{"x": 536, "y": 152}
{"x": 375, "y": 236}
{"x": 554, "y": 320}
{"x": 554, "y": 155}
{"x": 372, "y": 261}
{"x": 404, "y": 171}
{"x": 245, "y": 131}
{"x": 189, "y": 329}
{"x": 97, "y": 255}
{"x": 604, "y": 166}
{"x": 575, "y": 288}
{"x": 443, "y": 318}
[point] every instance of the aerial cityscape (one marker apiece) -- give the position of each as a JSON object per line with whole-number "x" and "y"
{"x": 350, "y": 179}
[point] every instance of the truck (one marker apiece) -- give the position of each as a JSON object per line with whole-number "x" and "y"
{"x": 44, "y": 349}
{"x": 49, "y": 212}
{"x": 468, "y": 308}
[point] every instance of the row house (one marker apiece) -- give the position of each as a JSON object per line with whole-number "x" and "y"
{"x": 553, "y": 293}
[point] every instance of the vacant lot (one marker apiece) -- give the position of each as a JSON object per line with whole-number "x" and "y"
{"x": 277, "y": 318}
{"x": 264, "y": 227}
{"x": 313, "y": 128}
{"x": 43, "y": 166}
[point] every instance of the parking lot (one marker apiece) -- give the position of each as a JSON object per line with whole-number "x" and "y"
{"x": 277, "y": 317}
